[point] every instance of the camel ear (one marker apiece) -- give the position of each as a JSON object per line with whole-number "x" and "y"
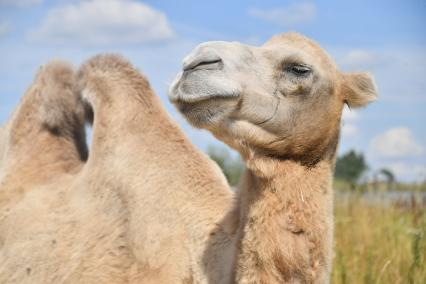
{"x": 359, "y": 89}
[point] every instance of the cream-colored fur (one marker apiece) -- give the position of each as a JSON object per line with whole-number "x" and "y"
{"x": 279, "y": 105}
{"x": 143, "y": 207}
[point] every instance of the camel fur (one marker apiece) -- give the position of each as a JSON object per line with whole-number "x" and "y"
{"x": 138, "y": 209}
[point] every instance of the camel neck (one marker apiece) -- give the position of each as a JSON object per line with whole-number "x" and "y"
{"x": 285, "y": 177}
{"x": 286, "y": 211}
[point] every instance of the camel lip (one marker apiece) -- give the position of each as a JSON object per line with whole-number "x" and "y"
{"x": 184, "y": 90}
{"x": 193, "y": 99}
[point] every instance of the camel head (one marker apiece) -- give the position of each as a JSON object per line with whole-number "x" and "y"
{"x": 282, "y": 99}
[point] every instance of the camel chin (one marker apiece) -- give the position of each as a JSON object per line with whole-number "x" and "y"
{"x": 208, "y": 112}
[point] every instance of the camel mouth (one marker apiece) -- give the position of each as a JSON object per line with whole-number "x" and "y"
{"x": 192, "y": 104}
{"x": 204, "y": 94}
{"x": 189, "y": 99}
{"x": 202, "y": 81}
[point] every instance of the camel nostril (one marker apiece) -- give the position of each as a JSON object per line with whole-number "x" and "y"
{"x": 204, "y": 64}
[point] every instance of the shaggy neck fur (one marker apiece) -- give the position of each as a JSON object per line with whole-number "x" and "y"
{"x": 286, "y": 222}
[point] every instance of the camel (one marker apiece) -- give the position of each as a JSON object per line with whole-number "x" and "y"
{"x": 141, "y": 207}
{"x": 279, "y": 105}
{"x": 145, "y": 206}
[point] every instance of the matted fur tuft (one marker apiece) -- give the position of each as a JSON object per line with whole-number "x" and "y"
{"x": 100, "y": 65}
{"x": 108, "y": 62}
{"x": 98, "y": 74}
{"x": 60, "y": 105}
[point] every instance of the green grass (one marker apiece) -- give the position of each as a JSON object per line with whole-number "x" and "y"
{"x": 378, "y": 244}
{"x": 379, "y": 186}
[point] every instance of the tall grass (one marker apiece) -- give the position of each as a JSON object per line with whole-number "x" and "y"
{"x": 378, "y": 244}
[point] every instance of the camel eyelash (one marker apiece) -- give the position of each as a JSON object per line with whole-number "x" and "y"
{"x": 298, "y": 69}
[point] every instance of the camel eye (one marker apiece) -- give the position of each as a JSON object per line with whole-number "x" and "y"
{"x": 298, "y": 69}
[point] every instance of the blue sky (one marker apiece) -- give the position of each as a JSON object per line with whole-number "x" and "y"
{"x": 387, "y": 38}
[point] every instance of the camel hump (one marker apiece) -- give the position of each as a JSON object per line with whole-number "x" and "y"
{"x": 109, "y": 75}
{"x": 60, "y": 107}
{"x": 106, "y": 63}
{"x": 50, "y": 116}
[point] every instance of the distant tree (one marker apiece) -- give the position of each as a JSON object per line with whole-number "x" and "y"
{"x": 390, "y": 177}
{"x": 350, "y": 167}
{"x": 219, "y": 155}
{"x": 232, "y": 167}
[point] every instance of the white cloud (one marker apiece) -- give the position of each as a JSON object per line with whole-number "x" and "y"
{"x": 98, "y": 22}
{"x": 349, "y": 118}
{"x": 349, "y": 130}
{"x": 406, "y": 64}
{"x": 294, "y": 14}
{"x": 349, "y": 114}
{"x": 396, "y": 143}
{"x": 4, "y": 29}
{"x": 408, "y": 172}
{"x": 361, "y": 59}
{"x": 20, "y": 3}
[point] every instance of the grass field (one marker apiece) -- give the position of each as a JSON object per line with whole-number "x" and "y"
{"x": 379, "y": 244}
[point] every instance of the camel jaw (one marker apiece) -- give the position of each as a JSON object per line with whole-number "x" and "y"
{"x": 206, "y": 112}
